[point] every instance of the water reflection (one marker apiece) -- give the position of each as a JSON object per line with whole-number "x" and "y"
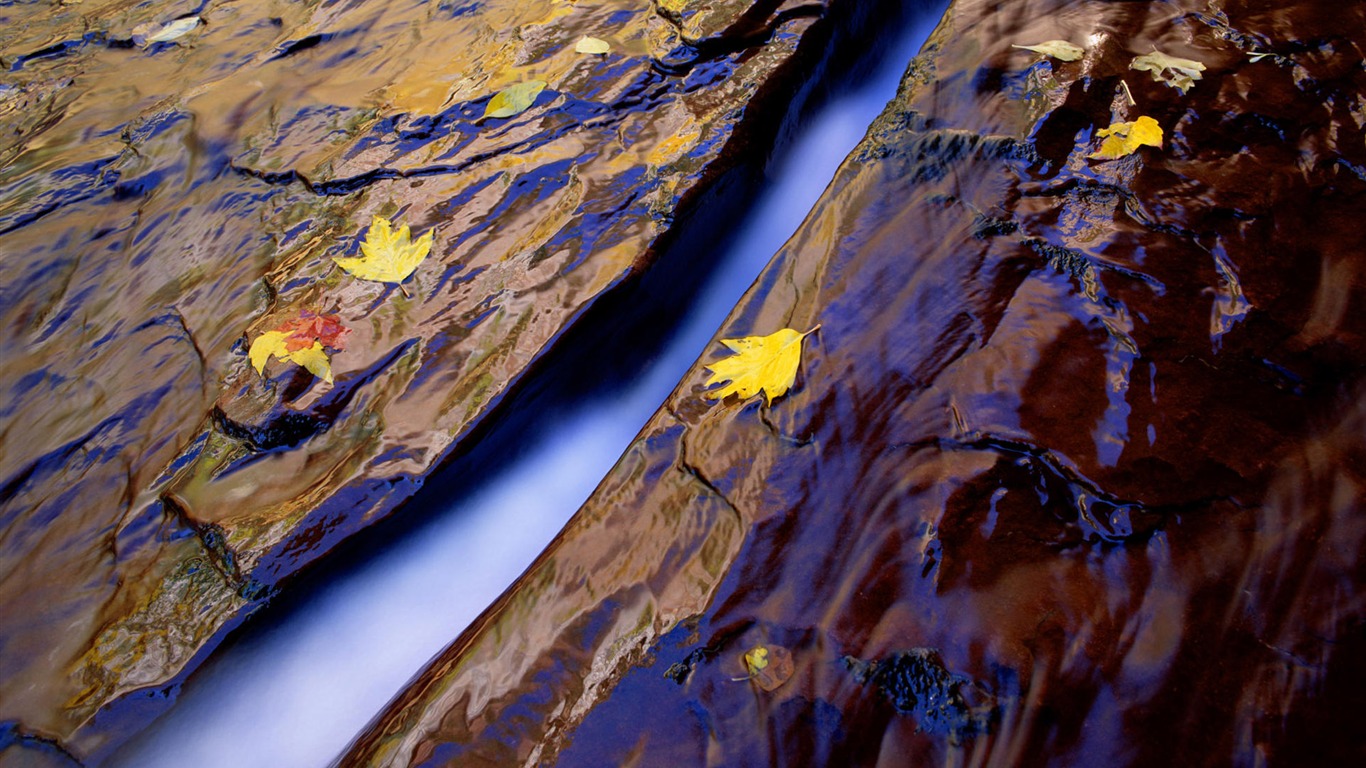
{"x": 294, "y": 694}
{"x": 936, "y": 524}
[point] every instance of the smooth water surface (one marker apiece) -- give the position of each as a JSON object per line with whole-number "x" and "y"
{"x": 296, "y": 693}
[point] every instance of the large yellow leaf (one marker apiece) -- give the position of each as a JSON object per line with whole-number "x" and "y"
{"x": 767, "y": 363}
{"x": 388, "y": 256}
{"x": 1125, "y": 138}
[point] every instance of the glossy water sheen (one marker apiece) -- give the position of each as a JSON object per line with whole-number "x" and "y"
{"x": 278, "y": 698}
{"x": 1074, "y": 471}
{"x": 163, "y": 204}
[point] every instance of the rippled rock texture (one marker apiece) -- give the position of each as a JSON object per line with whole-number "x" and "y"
{"x": 162, "y": 203}
{"x": 1074, "y": 470}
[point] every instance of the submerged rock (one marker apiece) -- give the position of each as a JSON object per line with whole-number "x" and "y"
{"x": 916, "y": 683}
{"x": 1094, "y": 430}
{"x": 163, "y": 204}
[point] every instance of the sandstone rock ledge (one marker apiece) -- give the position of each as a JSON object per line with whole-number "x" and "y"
{"x": 1074, "y": 471}
{"x": 163, "y": 204}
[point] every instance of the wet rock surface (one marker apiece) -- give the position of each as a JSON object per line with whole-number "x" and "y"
{"x": 165, "y": 199}
{"x": 1076, "y": 456}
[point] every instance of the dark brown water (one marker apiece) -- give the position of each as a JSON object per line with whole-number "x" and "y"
{"x": 1074, "y": 474}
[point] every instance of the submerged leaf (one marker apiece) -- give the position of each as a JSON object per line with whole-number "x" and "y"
{"x": 1175, "y": 71}
{"x": 302, "y": 341}
{"x": 592, "y": 45}
{"x": 309, "y": 327}
{"x": 1125, "y": 138}
{"x": 151, "y": 32}
{"x": 514, "y": 100}
{"x": 768, "y": 666}
{"x": 767, "y": 363}
{"x": 388, "y": 256}
{"x": 1058, "y": 49}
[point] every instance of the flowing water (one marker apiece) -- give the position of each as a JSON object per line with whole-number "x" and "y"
{"x": 295, "y": 692}
{"x": 1072, "y": 473}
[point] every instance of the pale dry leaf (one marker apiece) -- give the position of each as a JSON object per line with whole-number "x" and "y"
{"x": 1058, "y": 49}
{"x": 1175, "y": 71}
{"x": 592, "y": 45}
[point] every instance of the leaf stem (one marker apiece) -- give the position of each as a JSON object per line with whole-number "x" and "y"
{"x": 1128, "y": 95}
{"x": 406, "y": 295}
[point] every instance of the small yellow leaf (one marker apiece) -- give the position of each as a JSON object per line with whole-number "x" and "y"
{"x": 1175, "y": 71}
{"x": 592, "y": 45}
{"x": 1125, "y": 138}
{"x": 767, "y": 363}
{"x": 514, "y": 100}
{"x": 756, "y": 658}
{"x": 768, "y": 666}
{"x": 1058, "y": 49}
{"x": 314, "y": 360}
{"x": 388, "y": 256}
{"x": 267, "y": 345}
{"x": 276, "y": 344}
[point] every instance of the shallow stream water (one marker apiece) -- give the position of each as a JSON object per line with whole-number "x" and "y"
{"x": 294, "y": 691}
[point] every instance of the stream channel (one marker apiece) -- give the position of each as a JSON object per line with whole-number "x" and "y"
{"x": 307, "y": 673}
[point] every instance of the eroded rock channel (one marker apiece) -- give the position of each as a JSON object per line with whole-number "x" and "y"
{"x": 1073, "y": 474}
{"x": 177, "y": 179}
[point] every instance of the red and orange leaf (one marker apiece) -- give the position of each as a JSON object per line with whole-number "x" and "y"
{"x": 308, "y": 327}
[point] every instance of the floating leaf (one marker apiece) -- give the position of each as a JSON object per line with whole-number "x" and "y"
{"x": 1058, "y": 49}
{"x": 388, "y": 256}
{"x": 1175, "y": 71}
{"x": 309, "y": 327}
{"x": 1125, "y": 138}
{"x": 767, "y": 363}
{"x": 592, "y": 45}
{"x": 302, "y": 341}
{"x": 756, "y": 658}
{"x": 151, "y": 32}
{"x": 768, "y": 666}
{"x": 514, "y": 100}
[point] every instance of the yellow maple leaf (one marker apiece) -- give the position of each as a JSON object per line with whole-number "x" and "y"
{"x": 767, "y": 363}
{"x": 277, "y": 344}
{"x": 1125, "y": 138}
{"x": 389, "y": 256}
